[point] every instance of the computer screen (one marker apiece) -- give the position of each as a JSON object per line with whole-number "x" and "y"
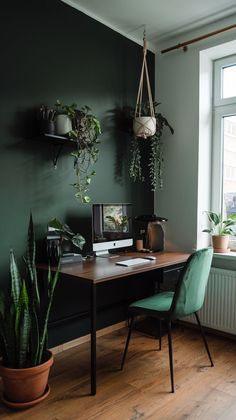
{"x": 111, "y": 227}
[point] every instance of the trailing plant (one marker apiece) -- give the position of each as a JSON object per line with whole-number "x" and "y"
{"x": 220, "y": 226}
{"x": 24, "y": 312}
{"x": 155, "y": 161}
{"x": 66, "y": 233}
{"x": 86, "y": 130}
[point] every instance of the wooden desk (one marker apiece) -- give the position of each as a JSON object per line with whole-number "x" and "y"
{"x": 100, "y": 270}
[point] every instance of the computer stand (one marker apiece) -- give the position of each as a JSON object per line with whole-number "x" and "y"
{"x": 105, "y": 254}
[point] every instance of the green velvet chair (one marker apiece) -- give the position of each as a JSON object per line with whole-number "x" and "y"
{"x": 186, "y": 300}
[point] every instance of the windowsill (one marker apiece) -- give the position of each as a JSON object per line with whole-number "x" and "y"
{"x": 229, "y": 255}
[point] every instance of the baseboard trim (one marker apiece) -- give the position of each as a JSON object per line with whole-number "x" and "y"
{"x": 86, "y": 338}
{"x": 208, "y": 330}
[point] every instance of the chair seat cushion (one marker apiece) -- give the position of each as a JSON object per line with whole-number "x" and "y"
{"x": 160, "y": 302}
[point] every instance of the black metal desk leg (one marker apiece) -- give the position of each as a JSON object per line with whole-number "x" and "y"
{"x": 93, "y": 339}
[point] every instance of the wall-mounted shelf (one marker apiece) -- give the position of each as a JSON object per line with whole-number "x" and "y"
{"x": 57, "y": 142}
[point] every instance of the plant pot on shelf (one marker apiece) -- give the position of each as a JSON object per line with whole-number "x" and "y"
{"x": 47, "y": 127}
{"x": 62, "y": 124}
{"x": 220, "y": 243}
{"x": 26, "y": 387}
{"x": 144, "y": 126}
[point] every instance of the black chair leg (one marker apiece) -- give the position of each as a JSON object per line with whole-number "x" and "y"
{"x": 204, "y": 338}
{"x": 160, "y": 334}
{"x": 171, "y": 357}
{"x": 127, "y": 342}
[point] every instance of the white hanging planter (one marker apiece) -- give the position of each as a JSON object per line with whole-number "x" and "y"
{"x": 62, "y": 124}
{"x": 144, "y": 126}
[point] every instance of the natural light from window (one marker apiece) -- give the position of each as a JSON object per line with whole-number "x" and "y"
{"x": 229, "y": 81}
{"x": 229, "y": 164}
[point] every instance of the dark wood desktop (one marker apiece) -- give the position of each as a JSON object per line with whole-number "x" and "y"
{"x": 100, "y": 270}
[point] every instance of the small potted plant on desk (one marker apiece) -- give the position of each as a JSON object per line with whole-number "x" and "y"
{"x": 24, "y": 314}
{"x": 64, "y": 233}
{"x": 220, "y": 230}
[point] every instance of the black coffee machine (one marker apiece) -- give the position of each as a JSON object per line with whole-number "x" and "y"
{"x": 149, "y": 228}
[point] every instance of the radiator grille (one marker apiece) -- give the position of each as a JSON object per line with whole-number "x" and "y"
{"x": 219, "y": 309}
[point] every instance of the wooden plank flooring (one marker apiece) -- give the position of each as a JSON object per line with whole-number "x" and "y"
{"x": 142, "y": 390}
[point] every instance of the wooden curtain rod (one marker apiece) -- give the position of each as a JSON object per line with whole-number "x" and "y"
{"x": 199, "y": 38}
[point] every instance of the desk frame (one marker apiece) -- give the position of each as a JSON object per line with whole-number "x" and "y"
{"x": 101, "y": 270}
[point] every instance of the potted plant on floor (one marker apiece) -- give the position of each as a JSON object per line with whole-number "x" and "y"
{"x": 220, "y": 230}
{"x": 24, "y": 314}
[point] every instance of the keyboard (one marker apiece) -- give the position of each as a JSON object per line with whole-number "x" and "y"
{"x": 133, "y": 261}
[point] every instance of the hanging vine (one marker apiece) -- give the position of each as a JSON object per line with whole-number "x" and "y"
{"x": 86, "y": 132}
{"x": 135, "y": 169}
{"x": 156, "y": 159}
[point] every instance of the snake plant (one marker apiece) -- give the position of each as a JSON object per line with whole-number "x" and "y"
{"x": 24, "y": 311}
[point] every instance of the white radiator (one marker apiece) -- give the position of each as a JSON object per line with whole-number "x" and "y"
{"x": 219, "y": 309}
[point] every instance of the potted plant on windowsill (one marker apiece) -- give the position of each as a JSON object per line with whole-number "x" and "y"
{"x": 24, "y": 314}
{"x": 220, "y": 230}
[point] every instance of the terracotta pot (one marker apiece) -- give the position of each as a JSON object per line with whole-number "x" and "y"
{"x": 144, "y": 126}
{"x": 220, "y": 243}
{"x": 24, "y": 386}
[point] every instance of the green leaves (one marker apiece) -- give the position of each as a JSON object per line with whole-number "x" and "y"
{"x": 135, "y": 169}
{"x": 66, "y": 233}
{"x": 78, "y": 240}
{"x": 220, "y": 226}
{"x": 15, "y": 280}
{"x": 24, "y": 312}
{"x": 156, "y": 160}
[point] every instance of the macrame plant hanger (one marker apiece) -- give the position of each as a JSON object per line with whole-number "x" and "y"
{"x": 144, "y": 125}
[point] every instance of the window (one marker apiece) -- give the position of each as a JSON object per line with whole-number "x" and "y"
{"x": 224, "y": 138}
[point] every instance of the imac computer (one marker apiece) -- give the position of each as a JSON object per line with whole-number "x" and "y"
{"x": 111, "y": 227}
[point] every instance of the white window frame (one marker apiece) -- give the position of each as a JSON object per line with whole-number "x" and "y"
{"x": 219, "y": 65}
{"x": 222, "y": 107}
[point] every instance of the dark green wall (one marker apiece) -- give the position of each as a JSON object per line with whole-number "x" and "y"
{"x": 49, "y": 51}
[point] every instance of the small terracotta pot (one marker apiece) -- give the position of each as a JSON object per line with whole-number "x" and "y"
{"x": 26, "y": 385}
{"x": 220, "y": 243}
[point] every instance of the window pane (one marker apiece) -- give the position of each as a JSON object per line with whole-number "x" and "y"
{"x": 229, "y": 81}
{"x": 229, "y": 165}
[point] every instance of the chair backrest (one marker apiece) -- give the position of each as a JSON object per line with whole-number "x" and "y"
{"x": 191, "y": 287}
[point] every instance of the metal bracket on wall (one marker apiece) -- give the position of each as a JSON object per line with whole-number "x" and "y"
{"x": 56, "y": 151}
{"x": 57, "y": 143}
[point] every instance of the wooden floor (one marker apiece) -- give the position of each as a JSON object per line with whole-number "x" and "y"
{"x": 141, "y": 391}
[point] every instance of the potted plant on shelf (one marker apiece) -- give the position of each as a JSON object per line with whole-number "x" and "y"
{"x": 64, "y": 115}
{"x": 86, "y": 131}
{"x": 155, "y": 160}
{"x": 24, "y": 314}
{"x": 46, "y": 117}
{"x": 220, "y": 230}
{"x": 84, "y": 128}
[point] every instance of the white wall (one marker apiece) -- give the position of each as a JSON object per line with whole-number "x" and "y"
{"x": 177, "y": 88}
